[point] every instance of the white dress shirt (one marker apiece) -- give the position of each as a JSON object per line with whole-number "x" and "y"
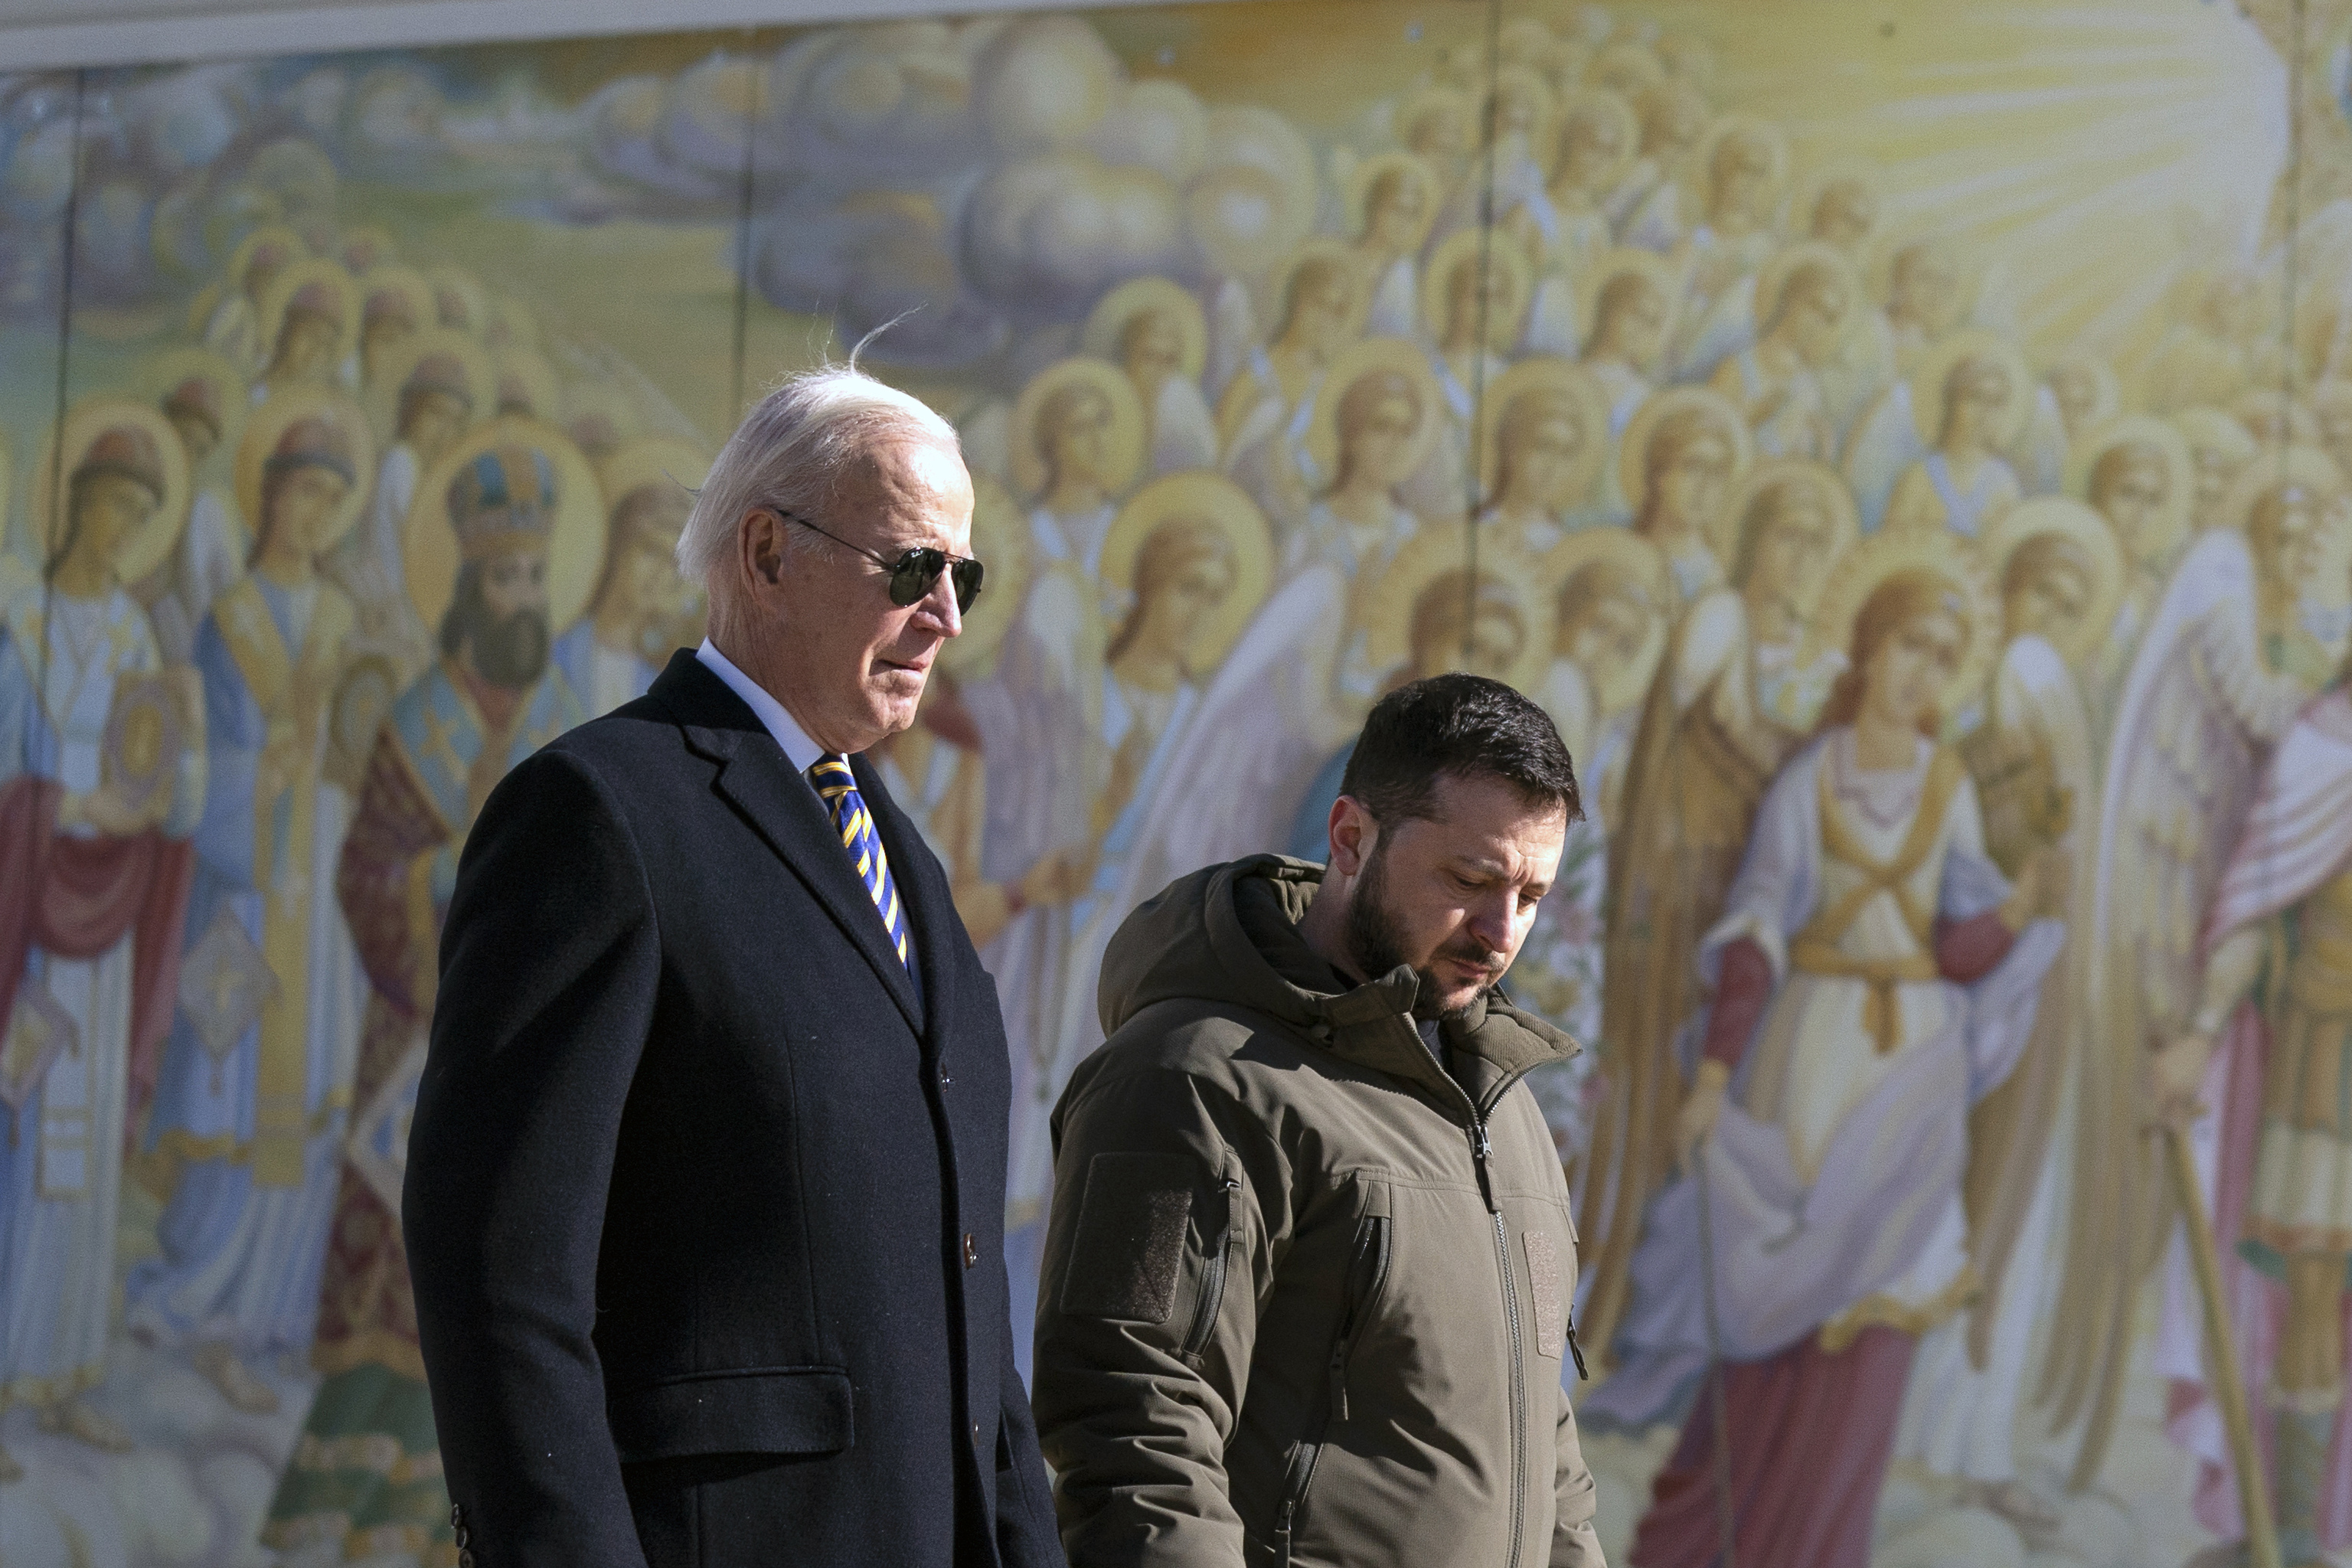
{"x": 799, "y": 750}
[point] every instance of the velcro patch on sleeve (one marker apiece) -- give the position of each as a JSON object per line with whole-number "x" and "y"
{"x": 1129, "y": 1247}
{"x": 1543, "y": 1286}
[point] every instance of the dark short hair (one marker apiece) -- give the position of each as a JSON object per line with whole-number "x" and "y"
{"x": 1457, "y": 726}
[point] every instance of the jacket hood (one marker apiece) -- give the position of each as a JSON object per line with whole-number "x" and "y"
{"x": 1228, "y": 936}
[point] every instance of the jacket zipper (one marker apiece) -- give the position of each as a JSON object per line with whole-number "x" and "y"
{"x": 1482, "y": 1149}
{"x": 1212, "y": 1277}
{"x": 1300, "y": 1476}
{"x": 1373, "y": 1256}
{"x": 1367, "y": 1273}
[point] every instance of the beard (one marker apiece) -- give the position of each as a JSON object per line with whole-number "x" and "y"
{"x": 512, "y": 652}
{"x": 1376, "y": 938}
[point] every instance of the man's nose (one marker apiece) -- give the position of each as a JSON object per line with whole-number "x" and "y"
{"x": 1490, "y": 921}
{"x": 939, "y": 604}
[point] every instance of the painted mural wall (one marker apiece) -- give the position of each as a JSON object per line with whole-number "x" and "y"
{"x": 1726, "y": 377}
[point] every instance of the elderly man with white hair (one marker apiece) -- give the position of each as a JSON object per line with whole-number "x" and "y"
{"x": 706, "y": 1184}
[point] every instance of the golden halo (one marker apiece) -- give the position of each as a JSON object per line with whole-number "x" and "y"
{"x": 1434, "y": 98}
{"x": 269, "y": 422}
{"x": 2274, "y": 465}
{"x": 429, "y": 542}
{"x": 2106, "y": 392}
{"x": 143, "y": 550}
{"x": 406, "y": 281}
{"x": 1503, "y": 322}
{"x": 1112, "y": 313}
{"x": 1785, "y": 260}
{"x": 1124, "y": 452}
{"x": 1963, "y": 262}
{"x": 232, "y": 388}
{"x": 1367, "y": 174}
{"x": 1357, "y": 360}
{"x": 1001, "y": 543}
{"x": 345, "y": 294}
{"x": 481, "y": 381}
{"x": 1770, "y": 473}
{"x": 2172, "y": 449}
{"x": 651, "y": 459}
{"x": 1633, "y": 455}
{"x": 1384, "y": 610}
{"x": 1525, "y": 78}
{"x": 1213, "y": 499}
{"x": 529, "y": 373}
{"x": 373, "y": 240}
{"x": 1936, "y": 367}
{"x": 2091, "y": 535}
{"x": 1613, "y": 264}
{"x": 512, "y": 324}
{"x": 1776, "y": 148}
{"x": 1647, "y": 564}
{"x": 1816, "y": 184}
{"x": 2207, "y": 426}
{"x": 2332, "y": 395}
{"x": 1546, "y": 377}
{"x": 1627, "y": 67}
{"x": 601, "y": 399}
{"x": 297, "y": 249}
{"x": 1606, "y": 105}
{"x": 1866, "y": 565}
{"x": 457, "y": 292}
{"x": 1350, "y": 264}
{"x": 2267, "y": 405}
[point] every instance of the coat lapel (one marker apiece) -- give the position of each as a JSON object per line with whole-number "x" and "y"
{"x": 754, "y": 776}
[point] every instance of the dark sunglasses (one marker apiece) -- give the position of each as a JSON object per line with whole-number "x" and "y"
{"x": 913, "y": 575}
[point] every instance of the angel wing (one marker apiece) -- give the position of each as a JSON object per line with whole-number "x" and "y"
{"x": 1232, "y": 333}
{"x": 2039, "y": 454}
{"x": 1701, "y": 761}
{"x": 2200, "y": 709}
{"x": 2036, "y": 784}
{"x": 1183, "y": 436}
{"x": 1040, "y": 718}
{"x": 1885, "y": 441}
{"x": 1727, "y": 326}
{"x": 1268, "y": 719}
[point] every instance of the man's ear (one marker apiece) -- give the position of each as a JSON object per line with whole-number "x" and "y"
{"x": 760, "y": 546}
{"x": 1353, "y": 835}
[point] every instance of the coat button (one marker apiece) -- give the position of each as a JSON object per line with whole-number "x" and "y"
{"x": 465, "y": 1560}
{"x": 970, "y": 1251}
{"x": 457, "y": 1516}
{"x": 464, "y": 1538}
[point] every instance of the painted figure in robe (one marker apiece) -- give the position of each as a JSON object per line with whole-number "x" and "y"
{"x": 1873, "y": 975}
{"x": 101, "y": 779}
{"x": 247, "y": 1134}
{"x": 367, "y": 1470}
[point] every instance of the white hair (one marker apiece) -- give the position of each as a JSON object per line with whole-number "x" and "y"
{"x": 792, "y": 450}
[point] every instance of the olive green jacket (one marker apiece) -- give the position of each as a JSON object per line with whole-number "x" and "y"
{"x": 1305, "y": 1294}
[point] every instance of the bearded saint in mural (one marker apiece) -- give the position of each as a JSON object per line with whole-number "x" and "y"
{"x": 367, "y": 1469}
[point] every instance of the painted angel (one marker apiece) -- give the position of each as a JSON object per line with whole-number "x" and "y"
{"x": 1737, "y": 693}
{"x": 2224, "y": 668}
{"x": 1873, "y": 974}
{"x": 2030, "y": 757}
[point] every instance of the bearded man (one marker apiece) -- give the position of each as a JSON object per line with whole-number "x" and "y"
{"x": 1309, "y": 1261}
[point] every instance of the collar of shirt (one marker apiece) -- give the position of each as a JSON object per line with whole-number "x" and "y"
{"x": 799, "y": 750}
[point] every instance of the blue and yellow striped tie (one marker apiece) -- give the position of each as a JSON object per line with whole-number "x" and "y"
{"x": 838, "y": 785}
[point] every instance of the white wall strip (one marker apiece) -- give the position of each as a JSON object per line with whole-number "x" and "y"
{"x": 211, "y": 31}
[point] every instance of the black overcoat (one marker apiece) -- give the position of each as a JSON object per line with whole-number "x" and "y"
{"x": 705, "y": 1198}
